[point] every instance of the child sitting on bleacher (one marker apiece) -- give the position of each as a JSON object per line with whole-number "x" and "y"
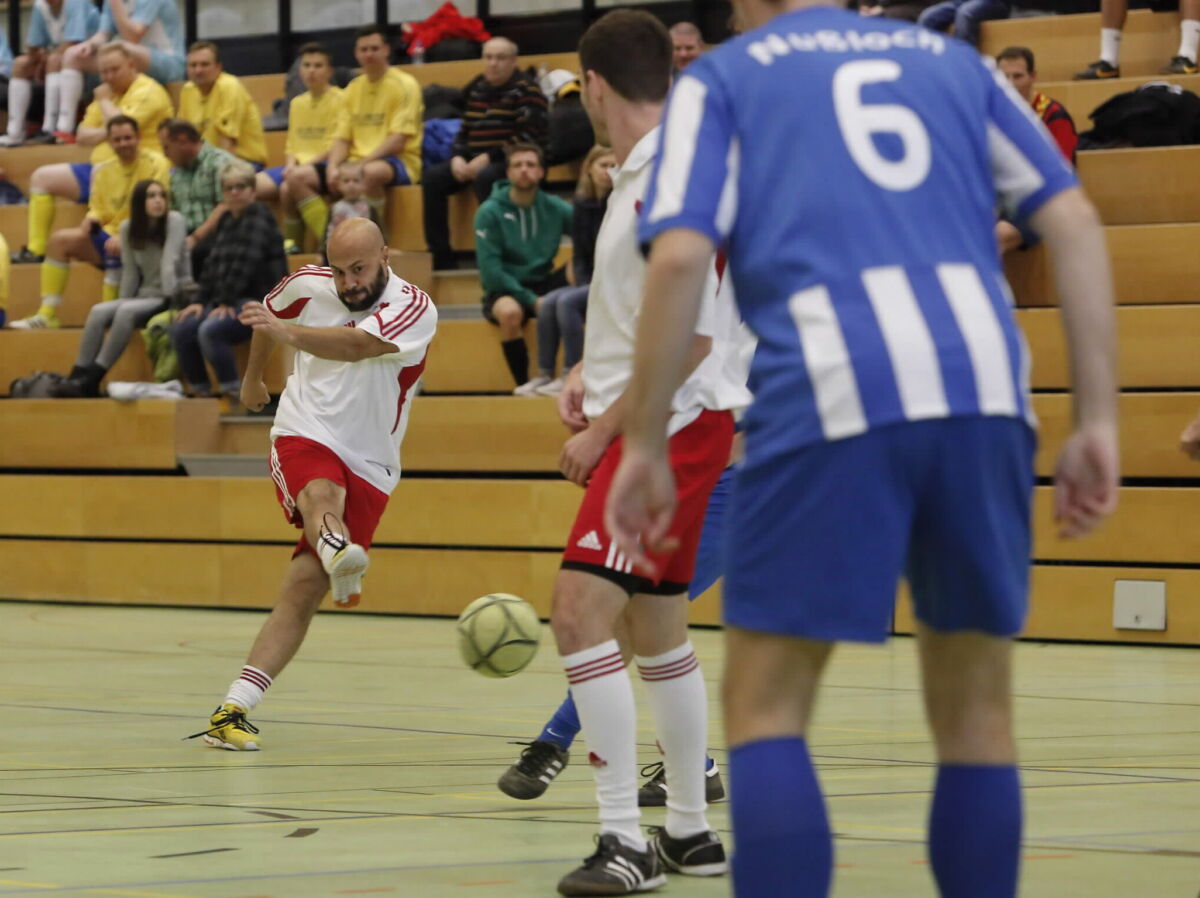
{"x": 353, "y": 203}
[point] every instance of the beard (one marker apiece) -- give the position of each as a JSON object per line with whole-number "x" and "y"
{"x": 362, "y": 298}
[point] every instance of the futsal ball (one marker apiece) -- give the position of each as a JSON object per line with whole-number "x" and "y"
{"x": 498, "y": 634}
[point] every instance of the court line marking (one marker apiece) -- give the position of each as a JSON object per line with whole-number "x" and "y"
{"x": 193, "y": 853}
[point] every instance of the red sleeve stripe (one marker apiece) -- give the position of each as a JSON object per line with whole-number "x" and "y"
{"x": 305, "y": 269}
{"x": 408, "y": 317}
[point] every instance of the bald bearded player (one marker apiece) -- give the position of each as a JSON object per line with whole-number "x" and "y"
{"x": 360, "y": 334}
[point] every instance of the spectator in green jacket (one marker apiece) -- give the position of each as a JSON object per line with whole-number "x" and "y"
{"x": 518, "y": 231}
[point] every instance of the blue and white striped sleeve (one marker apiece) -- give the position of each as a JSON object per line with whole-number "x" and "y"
{"x": 1027, "y": 166}
{"x": 694, "y": 181}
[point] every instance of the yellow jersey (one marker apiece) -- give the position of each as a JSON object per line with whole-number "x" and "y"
{"x": 113, "y": 183}
{"x": 312, "y": 122}
{"x": 374, "y": 110}
{"x": 147, "y": 102}
{"x": 227, "y": 111}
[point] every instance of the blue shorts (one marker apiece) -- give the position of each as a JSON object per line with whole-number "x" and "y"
{"x": 400, "y": 177}
{"x": 710, "y": 555}
{"x": 818, "y": 541}
{"x": 166, "y": 67}
{"x": 275, "y": 173}
{"x": 83, "y": 175}
{"x": 99, "y": 238}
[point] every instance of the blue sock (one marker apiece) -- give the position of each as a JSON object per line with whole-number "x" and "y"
{"x": 563, "y": 727}
{"x": 975, "y": 831}
{"x": 709, "y": 763}
{"x": 783, "y": 847}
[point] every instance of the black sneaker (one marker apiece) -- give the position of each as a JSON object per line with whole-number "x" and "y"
{"x": 1098, "y": 71}
{"x": 698, "y": 855}
{"x": 41, "y": 137}
{"x": 25, "y": 257}
{"x": 615, "y": 869}
{"x": 1179, "y": 65}
{"x": 653, "y": 793}
{"x": 537, "y": 767}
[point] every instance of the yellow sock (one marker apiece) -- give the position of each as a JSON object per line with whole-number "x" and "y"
{"x": 41, "y": 220}
{"x": 54, "y": 278}
{"x": 109, "y": 291}
{"x": 293, "y": 229}
{"x": 316, "y": 215}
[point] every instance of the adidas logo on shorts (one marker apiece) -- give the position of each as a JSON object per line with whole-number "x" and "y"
{"x": 590, "y": 540}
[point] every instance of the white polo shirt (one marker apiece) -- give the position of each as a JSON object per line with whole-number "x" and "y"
{"x": 358, "y": 409}
{"x": 615, "y": 302}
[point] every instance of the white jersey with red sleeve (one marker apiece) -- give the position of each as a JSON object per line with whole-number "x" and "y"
{"x": 615, "y": 301}
{"x": 358, "y": 409}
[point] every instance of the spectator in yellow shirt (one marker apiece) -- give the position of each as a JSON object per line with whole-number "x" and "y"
{"x": 96, "y": 240}
{"x": 220, "y": 107}
{"x": 380, "y": 127}
{"x": 123, "y": 92}
{"x": 312, "y": 120}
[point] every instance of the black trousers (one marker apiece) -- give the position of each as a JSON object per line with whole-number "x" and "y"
{"x": 438, "y": 184}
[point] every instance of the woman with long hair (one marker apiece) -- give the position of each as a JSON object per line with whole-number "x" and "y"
{"x": 561, "y": 312}
{"x": 154, "y": 262}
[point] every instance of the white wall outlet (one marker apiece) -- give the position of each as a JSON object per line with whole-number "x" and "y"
{"x": 1139, "y": 605}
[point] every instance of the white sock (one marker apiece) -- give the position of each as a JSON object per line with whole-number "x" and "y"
{"x": 50, "y": 114}
{"x": 20, "y": 94}
{"x": 1110, "y": 45}
{"x": 675, "y": 690}
{"x": 247, "y": 690}
{"x": 604, "y": 698}
{"x": 1189, "y": 39}
{"x": 329, "y": 544}
{"x": 70, "y": 89}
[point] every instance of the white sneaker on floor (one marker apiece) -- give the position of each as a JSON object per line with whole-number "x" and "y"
{"x": 129, "y": 390}
{"x": 551, "y": 389}
{"x": 35, "y": 323}
{"x": 531, "y": 386}
{"x": 9, "y": 141}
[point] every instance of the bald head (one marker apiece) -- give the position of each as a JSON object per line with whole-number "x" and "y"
{"x": 358, "y": 259}
{"x": 499, "y": 60}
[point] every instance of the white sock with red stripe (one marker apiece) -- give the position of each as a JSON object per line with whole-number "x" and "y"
{"x": 247, "y": 690}
{"x": 604, "y": 698}
{"x": 675, "y": 689}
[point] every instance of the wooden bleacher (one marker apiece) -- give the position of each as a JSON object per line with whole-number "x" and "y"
{"x": 447, "y": 539}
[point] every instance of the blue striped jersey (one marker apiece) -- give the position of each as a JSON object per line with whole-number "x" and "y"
{"x": 851, "y": 169}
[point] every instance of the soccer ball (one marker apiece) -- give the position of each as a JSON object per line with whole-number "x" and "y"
{"x": 498, "y": 634}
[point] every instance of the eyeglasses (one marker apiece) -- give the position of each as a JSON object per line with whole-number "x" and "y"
{"x": 230, "y": 188}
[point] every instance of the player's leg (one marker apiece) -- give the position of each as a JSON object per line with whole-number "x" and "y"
{"x": 784, "y": 845}
{"x": 975, "y": 819}
{"x": 971, "y": 14}
{"x": 968, "y": 568}
{"x": 303, "y": 587}
{"x": 1184, "y": 62}
{"x": 267, "y": 183}
{"x": 46, "y": 183}
{"x": 1112, "y": 24}
{"x": 20, "y": 95}
{"x": 548, "y": 340}
{"x": 675, "y": 690}
{"x": 218, "y": 335}
{"x": 437, "y": 185}
{"x": 585, "y": 609}
{"x": 76, "y": 62}
{"x": 378, "y": 176}
{"x": 303, "y": 186}
{"x": 510, "y": 316}
{"x": 63, "y": 246}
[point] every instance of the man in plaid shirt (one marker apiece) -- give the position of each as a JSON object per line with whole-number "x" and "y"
{"x": 196, "y": 167}
{"x": 245, "y": 262}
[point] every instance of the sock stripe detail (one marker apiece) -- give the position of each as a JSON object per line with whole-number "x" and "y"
{"x": 257, "y": 677}
{"x": 590, "y": 670}
{"x": 675, "y": 669}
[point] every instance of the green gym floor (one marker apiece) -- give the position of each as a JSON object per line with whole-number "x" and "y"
{"x": 382, "y": 752}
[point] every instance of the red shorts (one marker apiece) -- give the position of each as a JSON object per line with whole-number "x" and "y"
{"x": 296, "y": 461}
{"x": 698, "y": 454}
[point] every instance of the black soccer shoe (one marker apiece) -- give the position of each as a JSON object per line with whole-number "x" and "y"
{"x": 1179, "y": 65}
{"x": 534, "y": 771}
{"x": 653, "y": 793}
{"x": 698, "y": 855}
{"x": 615, "y": 869}
{"x": 1098, "y": 71}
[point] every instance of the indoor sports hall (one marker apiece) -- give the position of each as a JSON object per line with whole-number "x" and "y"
{"x": 141, "y": 546}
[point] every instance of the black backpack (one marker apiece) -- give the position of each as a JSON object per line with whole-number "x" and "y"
{"x": 1155, "y": 115}
{"x": 44, "y": 385}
